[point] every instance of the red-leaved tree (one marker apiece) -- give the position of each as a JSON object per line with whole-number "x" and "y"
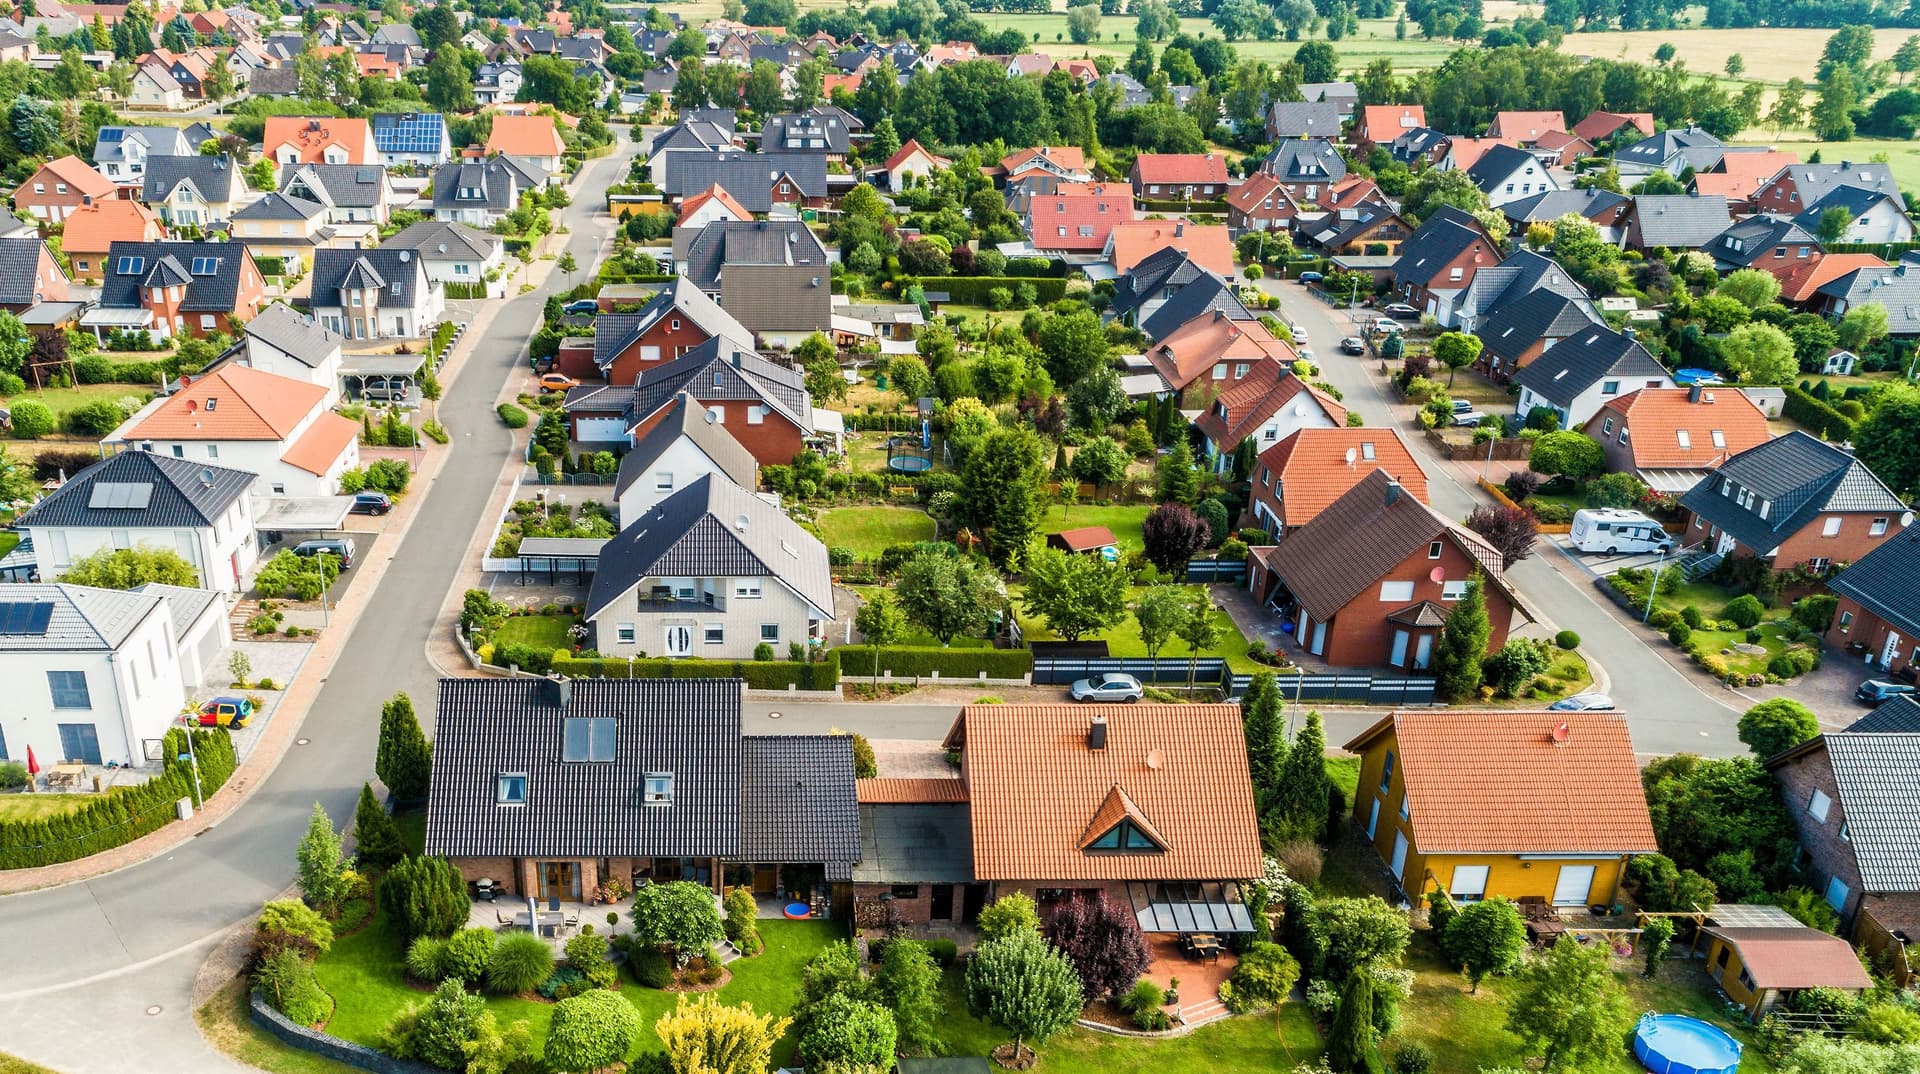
{"x": 1102, "y": 941}
{"x": 1510, "y": 530}
{"x": 1173, "y": 535}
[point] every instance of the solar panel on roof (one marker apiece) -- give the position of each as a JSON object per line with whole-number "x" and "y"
{"x": 25, "y": 617}
{"x": 120, "y": 495}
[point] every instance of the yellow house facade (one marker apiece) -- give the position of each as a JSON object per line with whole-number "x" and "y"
{"x": 1543, "y": 805}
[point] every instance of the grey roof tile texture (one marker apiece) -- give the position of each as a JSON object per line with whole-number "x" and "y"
{"x": 1798, "y": 477}
{"x": 723, "y": 368}
{"x": 19, "y": 269}
{"x": 1581, "y": 361}
{"x": 186, "y": 494}
{"x": 283, "y": 328}
{"x": 749, "y": 177}
{"x": 1886, "y": 581}
{"x": 333, "y": 269}
{"x": 1878, "y": 776}
{"x": 1902, "y": 715}
{"x": 797, "y": 802}
{"x": 217, "y": 178}
{"x": 81, "y": 619}
{"x": 688, "y": 419}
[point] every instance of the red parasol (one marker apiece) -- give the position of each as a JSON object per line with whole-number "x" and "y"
{"x": 33, "y": 763}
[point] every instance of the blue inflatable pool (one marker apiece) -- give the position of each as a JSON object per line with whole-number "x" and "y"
{"x": 1679, "y": 1044}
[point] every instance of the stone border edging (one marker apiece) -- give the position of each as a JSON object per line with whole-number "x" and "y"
{"x": 327, "y": 1046}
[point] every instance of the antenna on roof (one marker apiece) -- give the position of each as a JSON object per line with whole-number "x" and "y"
{"x": 206, "y": 477}
{"x": 1561, "y": 732}
{"x": 1351, "y": 455}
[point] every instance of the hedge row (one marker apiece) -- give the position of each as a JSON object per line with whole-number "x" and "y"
{"x": 759, "y": 674}
{"x": 1883, "y": 249}
{"x": 950, "y": 663}
{"x": 123, "y": 814}
{"x": 885, "y": 423}
{"x": 1161, "y": 205}
{"x": 1817, "y": 416}
{"x": 972, "y": 290}
{"x": 99, "y": 369}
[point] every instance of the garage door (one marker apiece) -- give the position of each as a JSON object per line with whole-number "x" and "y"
{"x": 601, "y": 430}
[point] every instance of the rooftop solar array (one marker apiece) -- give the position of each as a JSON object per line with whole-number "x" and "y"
{"x": 25, "y": 617}
{"x": 409, "y": 132}
{"x": 108, "y": 495}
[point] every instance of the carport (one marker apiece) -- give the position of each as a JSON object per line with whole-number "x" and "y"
{"x": 357, "y": 370}
{"x": 580, "y": 554}
{"x": 301, "y": 514}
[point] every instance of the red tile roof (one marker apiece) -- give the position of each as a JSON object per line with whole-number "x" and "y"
{"x": 1254, "y": 399}
{"x": 1208, "y": 245}
{"x": 1037, "y": 790}
{"x": 234, "y": 402}
{"x": 1066, "y": 157}
{"x": 1263, "y": 196}
{"x": 1383, "y": 123}
{"x": 1800, "y": 282}
{"x": 1308, "y": 471}
{"x": 1074, "y": 221}
{"x": 1083, "y": 539}
{"x": 76, "y": 173}
{"x": 1795, "y": 957}
{"x": 906, "y": 152}
{"x": 1598, "y": 125}
{"x": 1189, "y": 351}
{"x": 311, "y": 135}
{"x": 92, "y": 229}
{"x": 1739, "y": 175}
{"x": 525, "y": 136}
{"x": 1508, "y": 783}
{"x": 907, "y": 791}
{"x": 1655, "y": 418}
{"x": 1181, "y": 169}
{"x": 321, "y": 445}
{"x": 716, "y": 192}
{"x": 1525, "y": 126}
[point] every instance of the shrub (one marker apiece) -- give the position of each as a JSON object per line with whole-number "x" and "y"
{"x": 865, "y": 764}
{"x": 562, "y": 983}
{"x": 389, "y": 475}
{"x": 520, "y": 962}
{"x": 1412, "y": 1057}
{"x": 427, "y": 954}
{"x": 1008, "y": 915}
{"x": 1816, "y": 612}
{"x": 13, "y": 775}
{"x": 289, "y": 924}
{"x": 1691, "y": 616}
{"x": 590, "y": 1031}
{"x": 1567, "y": 639}
{"x": 425, "y": 896}
{"x": 32, "y": 419}
{"x": 1145, "y": 996}
{"x": 587, "y": 950}
{"x": 1263, "y": 978}
{"x": 287, "y": 983}
{"x": 1745, "y": 610}
{"x": 512, "y": 416}
{"x": 467, "y": 955}
{"x": 1521, "y": 484}
{"x": 945, "y": 952}
{"x": 844, "y": 1030}
{"x": 439, "y": 1032}
{"x": 651, "y": 968}
{"x": 1679, "y": 634}
{"x": 95, "y": 419}
{"x": 1301, "y": 860}
{"x": 1888, "y": 1024}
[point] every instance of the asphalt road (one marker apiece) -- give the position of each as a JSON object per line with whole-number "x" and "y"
{"x": 1667, "y": 710}
{"x": 133, "y": 938}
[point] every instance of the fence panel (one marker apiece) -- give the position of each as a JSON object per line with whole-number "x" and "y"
{"x": 1216, "y": 570}
{"x": 1207, "y": 670}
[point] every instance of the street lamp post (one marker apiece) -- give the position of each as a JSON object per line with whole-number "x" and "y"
{"x": 199, "y": 796}
{"x": 1353, "y": 295}
{"x": 1654, "y": 589}
{"x": 1487, "y": 470}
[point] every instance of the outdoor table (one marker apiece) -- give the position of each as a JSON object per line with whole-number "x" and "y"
{"x": 1204, "y": 944}
{"x": 550, "y": 921}
{"x": 66, "y": 775}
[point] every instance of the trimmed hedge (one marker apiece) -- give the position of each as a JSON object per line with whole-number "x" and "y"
{"x": 1198, "y": 205}
{"x": 1818, "y": 417}
{"x": 950, "y": 663}
{"x": 972, "y": 290}
{"x": 885, "y": 423}
{"x": 123, "y": 814}
{"x": 760, "y": 675}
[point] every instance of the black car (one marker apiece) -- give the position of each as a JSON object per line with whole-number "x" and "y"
{"x": 372, "y": 503}
{"x": 1352, "y": 345}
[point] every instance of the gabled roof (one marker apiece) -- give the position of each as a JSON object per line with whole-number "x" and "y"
{"x": 286, "y": 330}
{"x": 91, "y": 229}
{"x": 686, "y": 419}
{"x": 1066, "y": 158}
{"x": 1901, "y": 714}
{"x": 1252, "y": 400}
{"x": 1583, "y": 360}
{"x": 1656, "y": 150}
{"x": 724, "y": 368}
{"x": 525, "y": 136}
{"x": 614, "y": 333}
{"x": 1747, "y": 241}
{"x": 1525, "y": 126}
{"x": 909, "y": 150}
{"x": 1201, "y": 297}
{"x": 1816, "y": 181}
{"x": 1252, "y": 196}
{"x": 1498, "y": 163}
{"x": 1035, "y": 789}
{"x": 1509, "y": 783}
{"x": 1656, "y": 417}
{"x": 1739, "y": 175}
{"x": 184, "y": 494}
{"x": 1591, "y": 203}
{"x": 1804, "y": 279}
{"x": 749, "y": 177}
{"x": 1440, "y": 239}
{"x": 1679, "y": 221}
{"x": 275, "y": 206}
{"x": 234, "y": 402}
{"x": 1793, "y": 478}
{"x": 438, "y": 240}
{"x": 714, "y": 193}
{"x": 1153, "y": 276}
{"x": 1418, "y": 143}
{"x": 1380, "y": 123}
{"x": 214, "y": 177}
{"x": 112, "y": 142}
{"x": 312, "y": 135}
{"x": 805, "y": 132}
{"x": 384, "y": 268}
{"x": 345, "y": 186}
{"x": 75, "y": 618}
{"x": 486, "y": 727}
{"x": 210, "y": 271}
{"x": 1188, "y": 352}
{"x": 713, "y": 528}
{"x": 1513, "y": 327}
{"x": 1181, "y": 169}
{"x": 751, "y": 242}
{"x": 798, "y": 804}
{"x": 1896, "y": 287}
{"x": 1305, "y": 160}
{"x": 77, "y": 174}
{"x": 1309, "y": 469}
{"x": 1886, "y": 581}
{"x": 1372, "y": 528}
{"x": 493, "y": 184}
{"x": 1856, "y": 200}
{"x": 1302, "y": 119}
{"x": 1599, "y": 126}
{"x": 1072, "y": 221}
{"x": 1207, "y": 244}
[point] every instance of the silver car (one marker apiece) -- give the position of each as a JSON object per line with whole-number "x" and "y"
{"x": 1112, "y": 687}
{"x": 1583, "y": 703}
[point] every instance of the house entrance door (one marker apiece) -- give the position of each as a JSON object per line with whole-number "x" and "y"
{"x": 942, "y": 908}
{"x": 1892, "y": 649}
{"x": 679, "y": 641}
{"x": 560, "y": 880}
{"x": 1423, "y": 653}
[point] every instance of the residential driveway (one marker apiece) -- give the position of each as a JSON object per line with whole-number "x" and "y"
{"x": 1668, "y": 711}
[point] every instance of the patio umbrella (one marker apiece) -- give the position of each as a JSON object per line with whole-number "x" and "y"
{"x": 33, "y": 763}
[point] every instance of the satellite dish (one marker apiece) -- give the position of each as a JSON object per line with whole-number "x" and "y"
{"x": 1906, "y": 519}
{"x": 740, "y": 523}
{"x": 1352, "y": 455}
{"x": 1154, "y": 760}
{"x": 206, "y": 477}
{"x": 1438, "y": 574}
{"x": 1561, "y": 732}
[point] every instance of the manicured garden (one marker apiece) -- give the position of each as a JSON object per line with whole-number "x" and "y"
{"x": 1124, "y": 520}
{"x": 539, "y": 631}
{"x": 1734, "y": 636}
{"x": 871, "y": 529}
{"x": 25, "y": 807}
{"x": 1124, "y": 640}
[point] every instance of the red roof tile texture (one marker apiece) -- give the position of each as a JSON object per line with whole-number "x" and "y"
{"x": 1309, "y": 470}
{"x": 1655, "y": 418}
{"x": 1795, "y": 958}
{"x": 896, "y": 791}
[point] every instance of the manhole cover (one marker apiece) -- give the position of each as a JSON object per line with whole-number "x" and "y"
{"x": 302, "y": 741}
{"x": 155, "y": 1009}
{"x": 773, "y": 715}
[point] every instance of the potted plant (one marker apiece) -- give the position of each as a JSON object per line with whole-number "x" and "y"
{"x": 613, "y": 889}
{"x": 1173, "y": 991}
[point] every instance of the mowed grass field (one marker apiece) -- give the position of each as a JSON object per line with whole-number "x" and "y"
{"x": 1770, "y": 55}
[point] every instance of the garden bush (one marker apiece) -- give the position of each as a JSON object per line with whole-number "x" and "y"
{"x": 587, "y": 950}
{"x": 651, "y": 968}
{"x": 512, "y": 416}
{"x": 94, "y": 419}
{"x": 389, "y": 475}
{"x": 1263, "y": 978}
{"x": 287, "y": 983}
{"x": 426, "y": 956}
{"x": 289, "y": 924}
{"x": 520, "y": 962}
{"x": 468, "y": 954}
{"x": 13, "y": 775}
{"x": 945, "y": 952}
{"x": 32, "y": 419}
{"x": 1745, "y": 610}
{"x": 425, "y": 896}
{"x": 773, "y": 675}
{"x": 562, "y": 983}
{"x": 1680, "y": 634}
{"x": 591, "y": 1031}
{"x": 1412, "y": 1057}
{"x": 1567, "y": 639}
{"x": 1691, "y": 616}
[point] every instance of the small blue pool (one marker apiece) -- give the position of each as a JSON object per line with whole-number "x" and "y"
{"x": 1685, "y": 377}
{"x": 1679, "y": 1044}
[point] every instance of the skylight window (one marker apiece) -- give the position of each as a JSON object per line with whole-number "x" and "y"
{"x": 587, "y": 739}
{"x": 130, "y": 266}
{"x": 658, "y": 789}
{"x": 205, "y": 266}
{"x": 511, "y": 789}
{"x": 1124, "y": 836}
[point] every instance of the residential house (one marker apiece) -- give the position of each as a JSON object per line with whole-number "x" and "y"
{"x": 1525, "y": 128}
{"x": 1520, "y": 331}
{"x": 318, "y": 140}
{"x": 1794, "y": 500}
{"x": 357, "y": 197}
{"x": 1878, "y": 620}
{"x": 1673, "y": 151}
{"x": 138, "y": 499}
{"x": 288, "y": 344}
{"x": 1586, "y": 370}
{"x": 282, "y": 227}
{"x": 1801, "y": 283}
{"x": 375, "y": 294}
{"x": 1768, "y": 243}
{"x": 1506, "y": 174}
{"x": 193, "y": 191}
{"x": 1209, "y": 245}
{"x": 1344, "y": 96}
{"x": 693, "y": 134}
{"x": 1895, "y": 287}
{"x": 1379, "y": 602}
{"x": 1672, "y": 438}
{"x": 1368, "y": 228}
{"x": 29, "y": 275}
{"x": 1178, "y": 176}
{"x": 713, "y": 203}
{"x": 1740, "y": 175}
{"x": 678, "y": 318}
{"x": 1603, "y": 207}
{"x": 121, "y": 152}
{"x": 548, "y": 787}
{"x": 916, "y": 854}
{"x": 911, "y": 163}
{"x": 772, "y": 276}
{"x": 1421, "y": 145}
{"x": 1209, "y": 354}
{"x": 1155, "y": 280}
{"x": 456, "y": 254}
{"x": 1438, "y": 263}
{"x": 758, "y": 181}
{"x": 91, "y": 230}
{"x": 1559, "y": 149}
{"x": 479, "y": 193}
{"x": 1796, "y": 187}
{"x": 1874, "y": 215}
{"x": 1063, "y": 161}
{"x": 1306, "y": 167}
{"x": 711, "y": 571}
{"x": 1261, "y": 203}
{"x": 154, "y": 87}
{"x": 815, "y": 132}
{"x": 59, "y": 187}
{"x": 96, "y": 676}
{"x": 416, "y": 140}
{"x": 1311, "y": 467}
{"x": 1521, "y": 274}
{"x": 174, "y": 288}
{"x": 532, "y": 136}
{"x": 1269, "y": 404}
{"x": 1599, "y": 126}
{"x": 682, "y": 447}
{"x": 1075, "y": 222}
{"x": 498, "y": 83}
{"x": 280, "y": 428}
{"x": 1763, "y": 965}
{"x": 1673, "y": 221}
{"x": 1514, "y": 805}
{"x": 764, "y": 406}
{"x": 283, "y": 81}
{"x": 1382, "y": 124}
{"x": 1850, "y": 795}
{"x": 1146, "y": 806}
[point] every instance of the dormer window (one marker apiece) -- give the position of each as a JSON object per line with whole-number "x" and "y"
{"x": 1124, "y": 836}
{"x": 658, "y": 789}
{"x": 511, "y": 789}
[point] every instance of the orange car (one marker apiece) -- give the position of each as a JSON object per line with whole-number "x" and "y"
{"x": 557, "y": 382}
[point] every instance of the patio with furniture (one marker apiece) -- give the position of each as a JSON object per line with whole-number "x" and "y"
{"x": 551, "y": 919}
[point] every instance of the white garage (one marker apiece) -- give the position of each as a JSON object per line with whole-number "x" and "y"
{"x": 200, "y": 632}
{"x": 600, "y": 430}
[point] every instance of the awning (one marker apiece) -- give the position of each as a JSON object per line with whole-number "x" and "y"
{"x": 116, "y": 317}
{"x": 561, "y": 547}
{"x": 304, "y": 514}
{"x": 1141, "y": 385}
{"x": 381, "y": 365}
{"x": 898, "y": 346}
{"x": 1100, "y": 270}
{"x": 1672, "y": 482}
{"x": 852, "y": 326}
{"x": 828, "y": 422}
{"x": 1188, "y": 906}
{"x": 47, "y": 314}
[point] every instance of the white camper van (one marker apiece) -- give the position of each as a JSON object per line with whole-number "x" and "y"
{"x": 1612, "y": 530}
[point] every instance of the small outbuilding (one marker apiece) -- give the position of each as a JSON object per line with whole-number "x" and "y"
{"x": 1086, "y": 539}
{"x": 1759, "y": 966}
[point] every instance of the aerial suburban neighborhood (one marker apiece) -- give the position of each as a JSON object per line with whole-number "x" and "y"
{"x": 1098, "y": 536}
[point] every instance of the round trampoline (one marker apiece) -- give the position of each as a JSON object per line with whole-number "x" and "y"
{"x": 1679, "y": 1044}
{"x": 906, "y": 455}
{"x": 797, "y": 911}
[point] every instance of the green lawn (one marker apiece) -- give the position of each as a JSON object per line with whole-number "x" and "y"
{"x": 1124, "y": 640}
{"x": 227, "y": 1023}
{"x": 364, "y": 975}
{"x": 870, "y": 530}
{"x": 1125, "y": 521}
{"x": 914, "y": 637}
{"x": 413, "y": 829}
{"x": 1373, "y": 40}
{"x": 38, "y": 806}
{"x": 63, "y": 400}
{"x": 546, "y": 632}
{"x": 1344, "y": 773}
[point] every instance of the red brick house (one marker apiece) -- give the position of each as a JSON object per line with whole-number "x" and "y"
{"x": 1077, "y": 219}
{"x": 1261, "y": 203}
{"x": 1270, "y": 404}
{"x": 1177, "y": 176}
{"x": 1210, "y": 353}
{"x": 29, "y": 275}
{"x": 1370, "y": 580}
{"x": 1438, "y": 262}
{"x": 1599, "y": 126}
{"x": 177, "y": 288}
{"x": 679, "y": 318}
{"x": 762, "y": 405}
{"x": 58, "y": 187}
{"x": 1878, "y": 621}
{"x": 1793, "y": 501}
{"x": 1302, "y": 475}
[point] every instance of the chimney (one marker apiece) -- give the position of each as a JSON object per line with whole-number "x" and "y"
{"x": 1693, "y": 392}
{"x": 557, "y": 690}
{"x": 1097, "y": 733}
{"x": 1393, "y": 493}
{"x": 1179, "y": 230}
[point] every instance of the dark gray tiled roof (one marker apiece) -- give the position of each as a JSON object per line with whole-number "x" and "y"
{"x": 750, "y": 242}
{"x": 281, "y": 207}
{"x": 274, "y": 82}
{"x": 283, "y": 328}
{"x": 437, "y": 240}
{"x": 1901, "y": 715}
{"x": 1796, "y": 477}
{"x": 1554, "y": 204}
{"x": 1878, "y": 776}
{"x": 1305, "y": 160}
{"x": 1816, "y": 181}
{"x": 1754, "y": 238}
{"x": 1205, "y": 295}
{"x": 185, "y": 604}
{"x": 1497, "y": 163}
{"x": 724, "y": 367}
{"x": 1680, "y": 221}
{"x": 749, "y": 177}
{"x": 1537, "y": 315}
{"x": 214, "y": 177}
{"x": 19, "y": 267}
{"x": 1656, "y": 150}
{"x": 491, "y": 184}
{"x": 348, "y": 186}
{"x": 1857, "y": 201}
{"x": 698, "y": 533}
{"x": 184, "y": 494}
{"x": 1416, "y": 144}
{"x": 383, "y": 268}
{"x": 688, "y": 419}
{"x": 1896, "y": 287}
{"x": 915, "y": 843}
{"x": 1886, "y": 581}
{"x": 1439, "y": 239}
{"x": 1151, "y": 277}
{"x": 486, "y": 727}
{"x": 615, "y": 332}
{"x": 214, "y": 292}
{"x": 1579, "y": 362}
{"x": 110, "y": 143}
{"x": 1520, "y": 275}
{"x": 1292, "y": 119}
{"x": 805, "y": 132}
{"x": 797, "y": 802}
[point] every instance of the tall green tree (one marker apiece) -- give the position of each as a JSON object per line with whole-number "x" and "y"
{"x": 1000, "y": 486}
{"x": 322, "y": 870}
{"x": 376, "y": 838}
{"x": 1570, "y": 1008}
{"x": 1304, "y": 790}
{"x": 1887, "y": 442}
{"x": 949, "y": 596}
{"x": 1350, "y": 1042}
{"x": 1158, "y": 613}
{"x": 1266, "y": 741}
{"x": 1200, "y": 630}
{"x": 1777, "y": 725}
{"x": 404, "y": 759}
{"x": 1485, "y": 938}
{"x": 1023, "y": 985}
{"x": 909, "y": 981}
{"x": 1179, "y": 481}
{"x": 1075, "y": 594}
{"x": 1462, "y": 644}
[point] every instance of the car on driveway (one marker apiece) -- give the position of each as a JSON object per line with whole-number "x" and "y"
{"x": 1876, "y": 691}
{"x": 371, "y": 503}
{"x": 581, "y": 305}
{"x": 1311, "y": 277}
{"x": 341, "y": 547}
{"x": 557, "y": 382}
{"x": 1112, "y": 687}
{"x": 1386, "y": 326}
{"x": 1400, "y": 311}
{"x": 230, "y": 712}
{"x": 1298, "y": 331}
{"x": 1583, "y": 703}
{"x": 1352, "y": 345}
{"x": 1464, "y": 414}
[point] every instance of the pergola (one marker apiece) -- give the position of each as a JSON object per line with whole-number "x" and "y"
{"x": 582, "y": 553}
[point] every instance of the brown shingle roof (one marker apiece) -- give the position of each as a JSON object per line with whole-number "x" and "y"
{"x": 1084, "y": 539}
{"x": 898, "y": 791}
{"x": 1795, "y": 958}
{"x": 1036, "y": 790}
{"x": 1498, "y": 783}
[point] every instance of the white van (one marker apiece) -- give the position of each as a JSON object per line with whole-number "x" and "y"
{"x": 1612, "y": 530}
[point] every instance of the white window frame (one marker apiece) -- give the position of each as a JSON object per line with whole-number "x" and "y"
{"x": 1392, "y": 592}
{"x": 1819, "y": 806}
{"x": 1468, "y": 883}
